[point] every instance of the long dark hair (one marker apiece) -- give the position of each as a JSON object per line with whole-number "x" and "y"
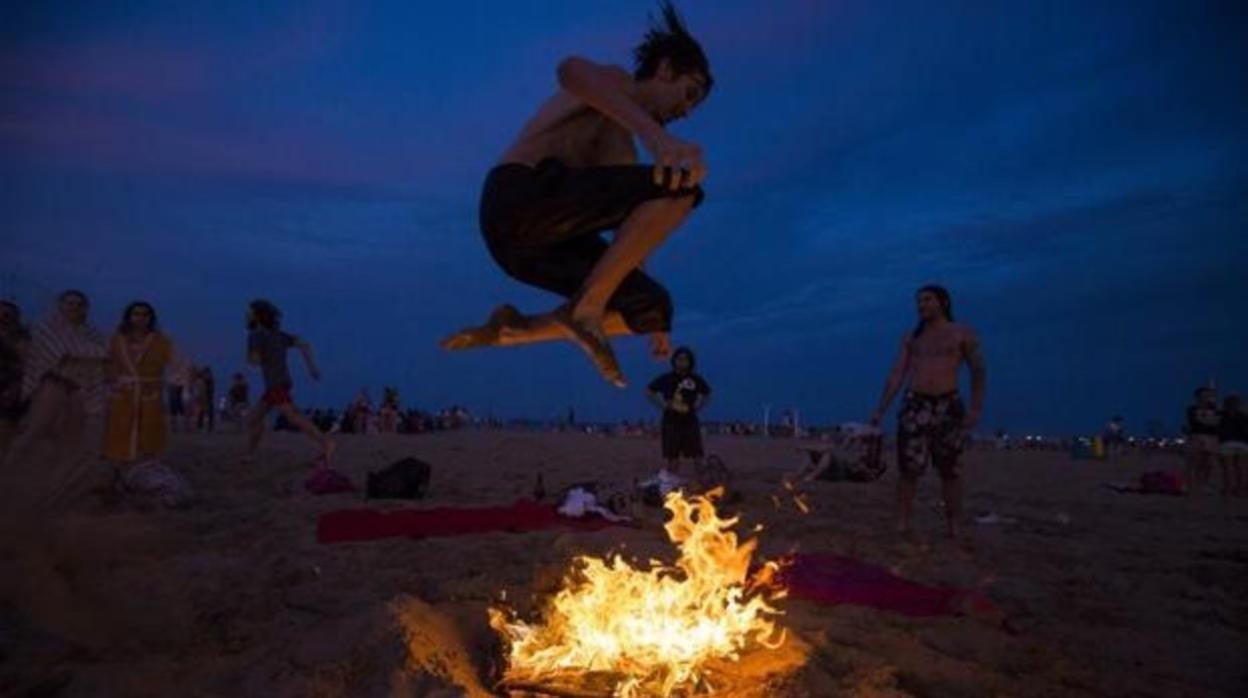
{"x": 125, "y": 327}
{"x": 264, "y": 314}
{"x": 671, "y": 40}
{"x": 946, "y": 304}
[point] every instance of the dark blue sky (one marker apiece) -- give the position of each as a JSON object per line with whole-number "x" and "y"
{"x": 1073, "y": 171}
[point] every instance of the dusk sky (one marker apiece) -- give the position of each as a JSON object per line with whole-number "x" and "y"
{"x": 1073, "y": 171}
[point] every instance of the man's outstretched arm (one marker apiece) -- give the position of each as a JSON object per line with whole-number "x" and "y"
{"x": 609, "y": 89}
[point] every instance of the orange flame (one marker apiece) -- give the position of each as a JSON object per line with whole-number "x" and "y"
{"x": 654, "y": 629}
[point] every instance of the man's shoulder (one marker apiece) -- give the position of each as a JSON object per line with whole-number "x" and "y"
{"x": 962, "y": 328}
{"x": 964, "y": 332}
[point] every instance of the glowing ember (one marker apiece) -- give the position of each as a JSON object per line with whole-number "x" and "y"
{"x": 652, "y": 631}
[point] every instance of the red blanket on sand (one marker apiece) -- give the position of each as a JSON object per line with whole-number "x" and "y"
{"x": 367, "y": 524}
{"x": 833, "y": 579}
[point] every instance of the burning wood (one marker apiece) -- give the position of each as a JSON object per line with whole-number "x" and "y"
{"x": 649, "y": 632}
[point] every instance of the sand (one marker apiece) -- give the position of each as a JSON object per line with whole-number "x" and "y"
{"x": 1100, "y": 594}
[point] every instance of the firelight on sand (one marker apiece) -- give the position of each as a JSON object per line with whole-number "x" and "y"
{"x": 651, "y": 632}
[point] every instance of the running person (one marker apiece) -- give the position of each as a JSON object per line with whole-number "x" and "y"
{"x": 266, "y": 347}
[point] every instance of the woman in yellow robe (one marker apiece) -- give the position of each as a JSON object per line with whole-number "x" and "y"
{"x": 142, "y": 357}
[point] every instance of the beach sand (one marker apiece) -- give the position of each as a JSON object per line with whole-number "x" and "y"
{"x": 1099, "y": 594}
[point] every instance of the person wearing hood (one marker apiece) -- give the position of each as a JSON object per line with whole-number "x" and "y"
{"x": 681, "y": 394}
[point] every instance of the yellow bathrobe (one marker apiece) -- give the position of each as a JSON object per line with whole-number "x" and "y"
{"x": 136, "y": 416}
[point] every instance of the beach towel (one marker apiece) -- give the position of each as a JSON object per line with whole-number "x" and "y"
{"x": 835, "y": 580}
{"x": 524, "y": 515}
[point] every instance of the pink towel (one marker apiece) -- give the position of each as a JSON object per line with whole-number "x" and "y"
{"x": 834, "y": 579}
{"x": 367, "y": 524}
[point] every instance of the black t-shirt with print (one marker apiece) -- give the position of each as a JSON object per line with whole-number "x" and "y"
{"x": 689, "y": 385}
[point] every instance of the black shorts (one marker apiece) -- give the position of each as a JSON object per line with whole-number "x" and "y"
{"x": 681, "y": 436}
{"x": 543, "y": 226}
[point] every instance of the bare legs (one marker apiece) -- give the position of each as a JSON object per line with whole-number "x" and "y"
{"x": 586, "y": 320}
{"x": 54, "y": 413}
{"x": 951, "y": 492}
{"x": 644, "y": 230}
{"x": 257, "y": 418}
{"x": 1233, "y": 480}
{"x": 906, "y": 486}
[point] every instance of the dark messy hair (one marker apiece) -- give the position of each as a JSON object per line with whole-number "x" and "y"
{"x": 1197, "y": 392}
{"x": 943, "y": 297}
{"x": 687, "y": 353}
{"x": 125, "y": 327}
{"x": 671, "y": 40}
{"x": 264, "y": 314}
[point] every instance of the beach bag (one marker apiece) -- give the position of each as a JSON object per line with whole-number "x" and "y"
{"x": 328, "y": 481}
{"x": 404, "y": 479}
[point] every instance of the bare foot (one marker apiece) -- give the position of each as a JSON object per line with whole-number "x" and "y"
{"x": 505, "y": 318}
{"x": 593, "y": 342}
{"x": 660, "y": 346}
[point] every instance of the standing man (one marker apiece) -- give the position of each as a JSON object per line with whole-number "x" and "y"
{"x": 572, "y": 174}
{"x": 933, "y": 423}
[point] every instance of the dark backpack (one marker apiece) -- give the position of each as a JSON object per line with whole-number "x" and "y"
{"x": 404, "y": 479}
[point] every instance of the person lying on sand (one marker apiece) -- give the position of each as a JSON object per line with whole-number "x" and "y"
{"x": 572, "y": 174}
{"x": 933, "y": 422}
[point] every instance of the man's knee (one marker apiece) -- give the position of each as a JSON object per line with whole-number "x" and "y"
{"x": 644, "y": 304}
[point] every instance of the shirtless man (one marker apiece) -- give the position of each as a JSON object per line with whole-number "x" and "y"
{"x": 572, "y": 174}
{"x": 933, "y": 422}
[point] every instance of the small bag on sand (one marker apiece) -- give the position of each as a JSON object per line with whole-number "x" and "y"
{"x": 404, "y": 479}
{"x": 328, "y": 481}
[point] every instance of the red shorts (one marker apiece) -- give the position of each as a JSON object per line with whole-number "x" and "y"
{"x": 276, "y": 397}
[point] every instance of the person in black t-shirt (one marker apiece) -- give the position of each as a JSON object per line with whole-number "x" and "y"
{"x": 681, "y": 394}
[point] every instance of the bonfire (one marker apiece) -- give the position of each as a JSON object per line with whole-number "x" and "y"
{"x": 656, "y": 630}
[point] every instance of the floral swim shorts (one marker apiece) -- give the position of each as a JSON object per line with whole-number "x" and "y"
{"x": 930, "y": 427}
